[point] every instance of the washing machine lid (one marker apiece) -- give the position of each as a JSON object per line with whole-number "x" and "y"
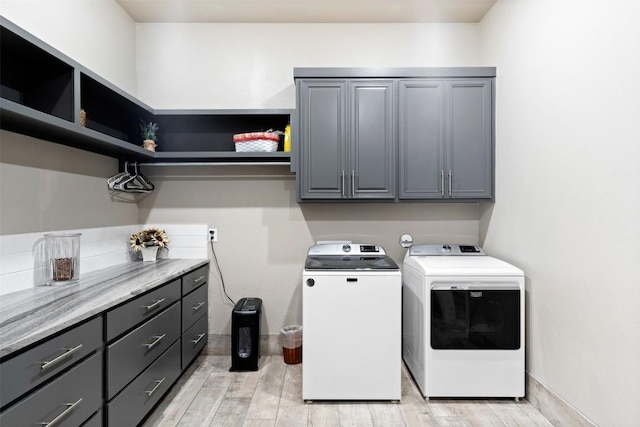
{"x": 350, "y": 262}
{"x": 348, "y": 256}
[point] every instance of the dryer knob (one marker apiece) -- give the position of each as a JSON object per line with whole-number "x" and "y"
{"x": 310, "y": 282}
{"x": 346, "y": 248}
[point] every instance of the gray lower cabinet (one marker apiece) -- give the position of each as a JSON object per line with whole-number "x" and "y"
{"x": 69, "y": 400}
{"x": 347, "y": 146}
{"x": 193, "y": 340}
{"x": 195, "y": 326}
{"x": 194, "y": 306}
{"x": 112, "y": 368}
{"x": 157, "y": 345}
{"x": 26, "y": 371}
{"x": 139, "y": 397}
{"x": 142, "y": 308}
{"x": 131, "y": 354}
{"x": 194, "y": 279}
{"x": 445, "y": 136}
{"x": 95, "y": 420}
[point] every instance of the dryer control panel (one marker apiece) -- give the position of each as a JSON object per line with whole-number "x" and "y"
{"x": 445, "y": 249}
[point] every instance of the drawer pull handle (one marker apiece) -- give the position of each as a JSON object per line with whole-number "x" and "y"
{"x": 197, "y": 340}
{"x": 153, "y": 390}
{"x": 155, "y": 342}
{"x": 153, "y": 304}
{"x": 197, "y": 307}
{"x": 56, "y": 420}
{"x": 199, "y": 279}
{"x": 68, "y": 352}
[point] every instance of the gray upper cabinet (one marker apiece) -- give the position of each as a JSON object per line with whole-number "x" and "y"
{"x": 395, "y": 133}
{"x": 445, "y": 139}
{"x": 372, "y": 146}
{"x": 347, "y": 148}
{"x": 421, "y": 139}
{"x": 323, "y": 134}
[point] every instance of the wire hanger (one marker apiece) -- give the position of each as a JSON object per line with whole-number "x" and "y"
{"x": 129, "y": 181}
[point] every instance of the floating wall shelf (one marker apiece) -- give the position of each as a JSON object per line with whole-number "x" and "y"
{"x": 42, "y": 92}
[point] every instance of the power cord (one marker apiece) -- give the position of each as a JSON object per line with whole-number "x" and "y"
{"x": 215, "y": 258}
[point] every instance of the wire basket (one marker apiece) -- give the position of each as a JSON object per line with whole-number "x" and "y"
{"x": 256, "y": 142}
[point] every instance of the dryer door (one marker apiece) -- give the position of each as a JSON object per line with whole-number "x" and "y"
{"x": 472, "y": 318}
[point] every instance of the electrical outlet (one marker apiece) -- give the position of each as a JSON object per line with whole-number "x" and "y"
{"x": 213, "y": 234}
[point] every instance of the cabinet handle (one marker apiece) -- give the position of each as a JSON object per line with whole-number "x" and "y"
{"x": 155, "y": 342}
{"x": 199, "y": 279}
{"x": 68, "y": 352}
{"x": 153, "y": 390}
{"x": 442, "y": 182}
{"x": 153, "y": 304}
{"x": 56, "y": 420}
{"x": 342, "y": 176}
{"x": 353, "y": 183}
{"x": 197, "y": 307}
{"x": 449, "y": 182}
{"x": 197, "y": 340}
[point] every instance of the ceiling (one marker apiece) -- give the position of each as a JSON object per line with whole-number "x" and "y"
{"x": 306, "y": 11}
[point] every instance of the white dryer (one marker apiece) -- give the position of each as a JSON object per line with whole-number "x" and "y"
{"x": 463, "y": 322}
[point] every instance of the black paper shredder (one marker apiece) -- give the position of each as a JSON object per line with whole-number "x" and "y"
{"x": 245, "y": 334}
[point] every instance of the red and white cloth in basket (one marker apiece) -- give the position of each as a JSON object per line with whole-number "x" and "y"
{"x": 256, "y": 141}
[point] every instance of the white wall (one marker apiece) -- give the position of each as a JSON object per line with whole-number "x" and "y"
{"x": 96, "y": 33}
{"x": 251, "y": 65}
{"x": 567, "y": 207}
{"x": 264, "y": 233}
{"x": 46, "y": 186}
{"x": 49, "y": 187}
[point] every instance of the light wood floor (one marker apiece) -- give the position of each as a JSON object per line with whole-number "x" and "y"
{"x": 209, "y": 395}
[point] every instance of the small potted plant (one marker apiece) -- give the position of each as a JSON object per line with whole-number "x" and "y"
{"x": 149, "y": 241}
{"x": 149, "y": 137}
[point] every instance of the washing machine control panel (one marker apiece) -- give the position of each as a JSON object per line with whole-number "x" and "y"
{"x": 346, "y": 248}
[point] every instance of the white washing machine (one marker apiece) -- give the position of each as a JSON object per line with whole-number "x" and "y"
{"x": 463, "y": 322}
{"x": 352, "y": 318}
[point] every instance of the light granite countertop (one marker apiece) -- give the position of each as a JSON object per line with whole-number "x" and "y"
{"x": 33, "y": 314}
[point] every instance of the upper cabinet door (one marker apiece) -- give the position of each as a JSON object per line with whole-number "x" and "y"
{"x": 322, "y": 110}
{"x": 469, "y": 139}
{"x": 445, "y": 136}
{"x": 372, "y": 165}
{"x": 421, "y": 138}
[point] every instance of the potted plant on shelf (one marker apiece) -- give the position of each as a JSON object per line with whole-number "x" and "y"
{"x": 149, "y": 137}
{"x": 148, "y": 242}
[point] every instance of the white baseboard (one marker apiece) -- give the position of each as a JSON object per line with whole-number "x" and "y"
{"x": 553, "y": 407}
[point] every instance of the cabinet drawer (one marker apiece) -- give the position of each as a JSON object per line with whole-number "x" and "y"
{"x": 95, "y": 421}
{"x": 70, "y": 399}
{"x": 139, "y": 397}
{"x": 25, "y": 371}
{"x": 141, "y": 308}
{"x": 194, "y": 340}
{"x": 131, "y": 354}
{"x": 194, "y": 306}
{"x": 192, "y": 280}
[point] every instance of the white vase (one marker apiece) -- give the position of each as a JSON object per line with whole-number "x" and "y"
{"x": 149, "y": 254}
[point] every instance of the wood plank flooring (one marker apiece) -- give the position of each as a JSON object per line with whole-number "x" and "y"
{"x": 209, "y": 395}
